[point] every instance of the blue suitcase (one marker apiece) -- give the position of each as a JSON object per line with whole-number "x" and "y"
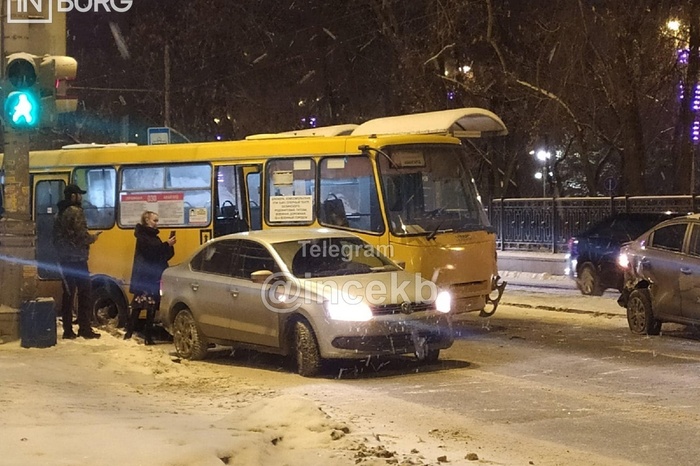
{"x": 37, "y": 323}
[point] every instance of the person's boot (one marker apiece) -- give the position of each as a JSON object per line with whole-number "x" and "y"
{"x": 131, "y": 323}
{"x": 88, "y": 333}
{"x": 148, "y": 329}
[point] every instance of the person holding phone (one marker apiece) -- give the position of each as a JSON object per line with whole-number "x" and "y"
{"x": 151, "y": 257}
{"x": 72, "y": 241}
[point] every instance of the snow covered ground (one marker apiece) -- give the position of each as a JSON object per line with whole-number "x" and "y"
{"x": 115, "y": 402}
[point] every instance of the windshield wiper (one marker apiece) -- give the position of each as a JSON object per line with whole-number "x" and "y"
{"x": 433, "y": 233}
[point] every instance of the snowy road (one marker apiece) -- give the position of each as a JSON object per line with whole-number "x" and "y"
{"x": 531, "y": 385}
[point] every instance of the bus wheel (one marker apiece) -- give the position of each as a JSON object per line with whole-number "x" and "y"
{"x": 107, "y": 309}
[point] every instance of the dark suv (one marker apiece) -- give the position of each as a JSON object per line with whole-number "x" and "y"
{"x": 592, "y": 258}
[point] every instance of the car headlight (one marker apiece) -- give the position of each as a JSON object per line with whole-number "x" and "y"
{"x": 443, "y": 302}
{"x": 352, "y": 312}
{"x": 623, "y": 260}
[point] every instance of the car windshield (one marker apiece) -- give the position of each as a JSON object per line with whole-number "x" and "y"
{"x": 325, "y": 257}
{"x": 428, "y": 189}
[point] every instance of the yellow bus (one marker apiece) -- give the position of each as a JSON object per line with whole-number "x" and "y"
{"x": 401, "y": 183}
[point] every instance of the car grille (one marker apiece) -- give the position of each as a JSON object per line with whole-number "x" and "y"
{"x": 403, "y": 308}
{"x": 393, "y": 344}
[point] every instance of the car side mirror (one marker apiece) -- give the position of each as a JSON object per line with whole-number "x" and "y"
{"x": 259, "y": 276}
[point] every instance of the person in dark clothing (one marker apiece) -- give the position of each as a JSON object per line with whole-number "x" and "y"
{"x": 72, "y": 241}
{"x": 150, "y": 260}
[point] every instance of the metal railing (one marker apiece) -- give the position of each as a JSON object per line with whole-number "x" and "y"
{"x": 546, "y": 224}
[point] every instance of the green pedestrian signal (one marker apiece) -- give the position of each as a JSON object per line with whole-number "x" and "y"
{"x": 22, "y": 110}
{"x": 36, "y": 90}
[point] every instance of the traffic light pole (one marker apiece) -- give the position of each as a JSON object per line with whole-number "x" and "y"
{"x": 34, "y": 75}
{"x": 18, "y": 270}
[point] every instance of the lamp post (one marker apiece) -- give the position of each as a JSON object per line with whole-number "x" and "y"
{"x": 543, "y": 156}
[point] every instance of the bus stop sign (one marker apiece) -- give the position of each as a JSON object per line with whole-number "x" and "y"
{"x": 158, "y": 136}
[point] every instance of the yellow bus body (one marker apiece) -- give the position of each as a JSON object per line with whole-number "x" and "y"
{"x": 463, "y": 261}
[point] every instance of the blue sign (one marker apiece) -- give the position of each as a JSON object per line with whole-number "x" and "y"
{"x": 610, "y": 184}
{"x": 158, "y": 135}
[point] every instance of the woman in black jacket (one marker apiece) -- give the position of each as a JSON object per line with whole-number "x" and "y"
{"x": 150, "y": 260}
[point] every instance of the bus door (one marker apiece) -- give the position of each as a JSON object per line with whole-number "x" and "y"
{"x": 48, "y": 191}
{"x": 237, "y": 199}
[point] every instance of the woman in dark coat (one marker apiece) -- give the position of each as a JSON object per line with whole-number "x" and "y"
{"x": 150, "y": 260}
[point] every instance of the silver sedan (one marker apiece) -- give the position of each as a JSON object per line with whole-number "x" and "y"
{"x": 312, "y": 294}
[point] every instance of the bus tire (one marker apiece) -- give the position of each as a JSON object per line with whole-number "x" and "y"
{"x": 189, "y": 341}
{"x": 107, "y": 308}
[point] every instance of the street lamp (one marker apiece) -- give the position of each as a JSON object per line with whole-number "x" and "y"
{"x": 543, "y": 156}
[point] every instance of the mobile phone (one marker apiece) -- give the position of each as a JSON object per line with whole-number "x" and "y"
{"x": 172, "y": 233}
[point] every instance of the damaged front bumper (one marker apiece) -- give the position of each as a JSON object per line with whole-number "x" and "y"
{"x": 498, "y": 287}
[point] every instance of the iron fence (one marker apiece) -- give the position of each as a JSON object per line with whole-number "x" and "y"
{"x": 546, "y": 224}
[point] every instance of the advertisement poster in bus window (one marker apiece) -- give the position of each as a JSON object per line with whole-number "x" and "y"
{"x": 169, "y": 206}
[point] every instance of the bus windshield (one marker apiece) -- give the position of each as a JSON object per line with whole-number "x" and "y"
{"x": 427, "y": 190}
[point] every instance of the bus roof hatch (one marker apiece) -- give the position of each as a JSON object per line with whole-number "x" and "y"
{"x": 470, "y": 122}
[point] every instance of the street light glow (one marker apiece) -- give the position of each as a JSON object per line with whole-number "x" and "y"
{"x": 542, "y": 155}
{"x": 538, "y": 175}
{"x": 673, "y": 25}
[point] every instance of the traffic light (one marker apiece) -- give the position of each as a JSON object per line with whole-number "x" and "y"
{"x": 36, "y": 89}
{"x": 55, "y": 71}
{"x": 22, "y": 102}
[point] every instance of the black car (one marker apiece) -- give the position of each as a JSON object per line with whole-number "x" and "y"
{"x": 592, "y": 258}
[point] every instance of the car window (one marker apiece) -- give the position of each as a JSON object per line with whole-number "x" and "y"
{"x": 326, "y": 257}
{"x": 253, "y": 257}
{"x": 635, "y": 227}
{"x": 669, "y": 237}
{"x": 694, "y": 247}
{"x": 217, "y": 258}
{"x": 626, "y": 228}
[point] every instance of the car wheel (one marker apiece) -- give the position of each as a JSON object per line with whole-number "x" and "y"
{"x": 187, "y": 338}
{"x": 640, "y": 317}
{"x": 589, "y": 282}
{"x": 308, "y": 357}
{"x": 430, "y": 356}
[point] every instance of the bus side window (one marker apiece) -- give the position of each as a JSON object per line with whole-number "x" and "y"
{"x": 230, "y": 208}
{"x": 349, "y": 194}
{"x": 100, "y": 199}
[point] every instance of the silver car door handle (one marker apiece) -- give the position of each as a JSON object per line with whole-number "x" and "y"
{"x": 194, "y": 286}
{"x": 234, "y": 292}
{"x": 686, "y": 271}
